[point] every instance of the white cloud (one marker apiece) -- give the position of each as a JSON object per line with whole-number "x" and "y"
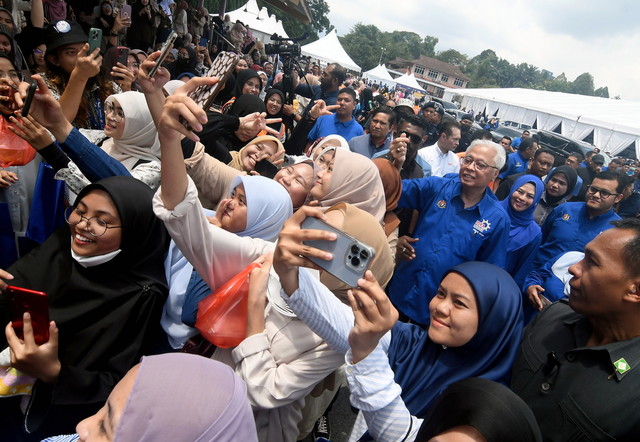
{"x": 570, "y": 36}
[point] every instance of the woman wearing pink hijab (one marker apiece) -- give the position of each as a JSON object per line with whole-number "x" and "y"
{"x": 172, "y": 397}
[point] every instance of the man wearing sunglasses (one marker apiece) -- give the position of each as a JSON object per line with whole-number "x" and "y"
{"x": 572, "y": 225}
{"x": 459, "y": 219}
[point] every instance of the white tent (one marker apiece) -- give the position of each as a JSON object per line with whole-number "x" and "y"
{"x": 262, "y": 25}
{"x": 408, "y": 80}
{"x": 380, "y": 74}
{"x": 329, "y": 50}
{"x": 615, "y": 123}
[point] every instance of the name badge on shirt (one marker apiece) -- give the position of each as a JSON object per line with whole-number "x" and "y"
{"x": 441, "y": 204}
{"x": 566, "y": 217}
{"x": 480, "y": 227}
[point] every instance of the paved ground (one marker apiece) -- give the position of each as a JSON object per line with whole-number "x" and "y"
{"x": 341, "y": 418}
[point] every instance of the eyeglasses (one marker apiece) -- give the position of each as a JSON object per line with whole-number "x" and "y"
{"x": 415, "y": 139}
{"x": 95, "y": 226}
{"x": 118, "y": 113}
{"x": 592, "y": 190}
{"x": 480, "y": 166}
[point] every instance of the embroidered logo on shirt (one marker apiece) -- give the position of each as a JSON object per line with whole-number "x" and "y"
{"x": 566, "y": 217}
{"x": 442, "y": 204}
{"x": 479, "y": 227}
{"x": 622, "y": 366}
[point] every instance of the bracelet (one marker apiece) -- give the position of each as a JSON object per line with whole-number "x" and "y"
{"x": 113, "y": 34}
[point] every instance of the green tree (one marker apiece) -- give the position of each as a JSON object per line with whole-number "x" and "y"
{"x": 602, "y": 92}
{"x": 583, "y": 84}
{"x": 428, "y": 46}
{"x": 364, "y": 45}
{"x": 319, "y": 20}
{"x": 453, "y": 57}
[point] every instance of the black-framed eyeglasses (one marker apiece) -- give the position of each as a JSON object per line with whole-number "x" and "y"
{"x": 480, "y": 165}
{"x": 415, "y": 139}
{"x": 592, "y": 190}
{"x": 96, "y": 226}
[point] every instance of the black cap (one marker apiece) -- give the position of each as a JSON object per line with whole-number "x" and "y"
{"x": 63, "y": 33}
{"x": 436, "y": 106}
{"x": 467, "y": 117}
{"x": 597, "y": 159}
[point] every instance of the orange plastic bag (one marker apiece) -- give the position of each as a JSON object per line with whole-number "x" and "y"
{"x": 222, "y": 316}
{"x": 14, "y": 151}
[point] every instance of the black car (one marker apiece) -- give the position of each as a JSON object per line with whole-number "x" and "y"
{"x": 505, "y": 131}
{"x": 562, "y": 146}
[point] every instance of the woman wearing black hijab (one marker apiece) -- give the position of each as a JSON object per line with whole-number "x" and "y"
{"x": 105, "y": 291}
{"x": 476, "y": 406}
{"x": 274, "y": 102}
{"x": 559, "y": 186}
{"x": 248, "y": 82}
{"x": 185, "y": 63}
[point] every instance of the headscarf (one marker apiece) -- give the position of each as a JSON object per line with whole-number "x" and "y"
{"x": 364, "y": 227}
{"x": 355, "y": 180}
{"x": 236, "y": 156}
{"x": 139, "y": 139}
{"x": 280, "y": 114}
{"x": 523, "y": 227}
{"x": 180, "y": 66}
{"x": 496, "y": 412}
{"x": 392, "y": 183}
{"x": 246, "y": 104}
{"x": 268, "y": 206}
{"x": 244, "y": 76}
{"x": 572, "y": 178}
{"x": 424, "y": 369}
{"x": 178, "y": 396}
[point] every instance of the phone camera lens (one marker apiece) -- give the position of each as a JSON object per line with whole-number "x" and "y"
{"x": 355, "y": 249}
{"x": 355, "y": 261}
{"x": 364, "y": 254}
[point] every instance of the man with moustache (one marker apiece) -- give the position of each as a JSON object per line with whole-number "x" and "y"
{"x": 578, "y": 368}
{"x": 379, "y": 136}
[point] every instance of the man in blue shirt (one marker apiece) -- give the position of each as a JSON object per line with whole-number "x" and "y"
{"x": 459, "y": 220}
{"x": 342, "y": 122}
{"x": 516, "y": 141}
{"x": 379, "y": 136}
{"x": 572, "y": 225}
{"x": 330, "y": 81}
{"x": 518, "y": 161}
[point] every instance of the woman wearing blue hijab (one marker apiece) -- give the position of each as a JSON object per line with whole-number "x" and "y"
{"x": 525, "y": 234}
{"x": 475, "y": 331}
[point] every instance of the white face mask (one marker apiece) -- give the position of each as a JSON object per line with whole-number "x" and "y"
{"x": 92, "y": 261}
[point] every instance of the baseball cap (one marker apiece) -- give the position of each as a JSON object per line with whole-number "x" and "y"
{"x": 436, "y": 106}
{"x": 63, "y": 33}
{"x": 597, "y": 159}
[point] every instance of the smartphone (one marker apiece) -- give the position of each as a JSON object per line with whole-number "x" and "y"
{"x": 95, "y": 39}
{"x": 166, "y": 47}
{"x": 29, "y": 99}
{"x": 221, "y": 68}
{"x": 25, "y": 300}
{"x": 266, "y": 168}
{"x": 351, "y": 257}
{"x": 121, "y": 55}
{"x": 125, "y": 11}
{"x": 203, "y": 42}
{"x": 545, "y": 301}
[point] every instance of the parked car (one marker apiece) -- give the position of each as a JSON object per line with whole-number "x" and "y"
{"x": 445, "y": 104}
{"x": 563, "y": 146}
{"x": 505, "y": 131}
{"x": 516, "y": 125}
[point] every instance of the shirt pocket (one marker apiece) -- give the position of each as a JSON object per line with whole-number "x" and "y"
{"x": 584, "y": 427}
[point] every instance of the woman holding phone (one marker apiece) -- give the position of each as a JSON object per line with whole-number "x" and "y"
{"x": 106, "y": 291}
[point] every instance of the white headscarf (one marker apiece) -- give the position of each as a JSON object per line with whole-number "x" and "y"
{"x": 140, "y": 137}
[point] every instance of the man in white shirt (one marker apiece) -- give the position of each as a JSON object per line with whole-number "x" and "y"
{"x": 440, "y": 155}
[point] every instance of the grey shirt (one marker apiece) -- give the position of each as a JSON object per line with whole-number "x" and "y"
{"x": 363, "y": 145}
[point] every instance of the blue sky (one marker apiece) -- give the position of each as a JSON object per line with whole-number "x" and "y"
{"x": 568, "y": 36}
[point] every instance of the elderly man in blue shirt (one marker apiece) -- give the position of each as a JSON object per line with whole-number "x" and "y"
{"x": 459, "y": 220}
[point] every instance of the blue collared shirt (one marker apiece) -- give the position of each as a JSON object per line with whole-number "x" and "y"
{"x": 569, "y": 228}
{"x": 364, "y": 146}
{"x": 330, "y": 125}
{"x": 448, "y": 235}
{"x": 516, "y": 163}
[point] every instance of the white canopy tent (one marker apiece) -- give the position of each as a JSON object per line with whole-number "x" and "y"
{"x": 381, "y": 75}
{"x": 262, "y": 25}
{"x": 615, "y": 123}
{"x": 329, "y": 50}
{"x": 408, "y": 80}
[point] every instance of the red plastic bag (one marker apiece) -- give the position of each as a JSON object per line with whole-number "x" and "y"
{"x": 222, "y": 316}
{"x": 14, "y": 151}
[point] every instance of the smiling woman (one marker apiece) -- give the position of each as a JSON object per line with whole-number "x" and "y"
{"x": 106, "y": 291}
{"x": 259, "y": 148}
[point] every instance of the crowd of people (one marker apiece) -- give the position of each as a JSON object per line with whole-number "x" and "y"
{"x": 140, "y": 205}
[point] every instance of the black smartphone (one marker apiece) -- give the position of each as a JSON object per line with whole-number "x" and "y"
{"x": 122, "y": 56}
{"x": 31, "y": 91}
{"x": 166, "y": 47}
{"x": 36, "y": 304}
{"x": 95, "y": 39}
{"x": 351, "y": 257}
{"x": 266, "y": 168}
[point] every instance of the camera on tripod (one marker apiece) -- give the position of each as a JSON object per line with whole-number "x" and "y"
{"x": 285, "y": 47}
